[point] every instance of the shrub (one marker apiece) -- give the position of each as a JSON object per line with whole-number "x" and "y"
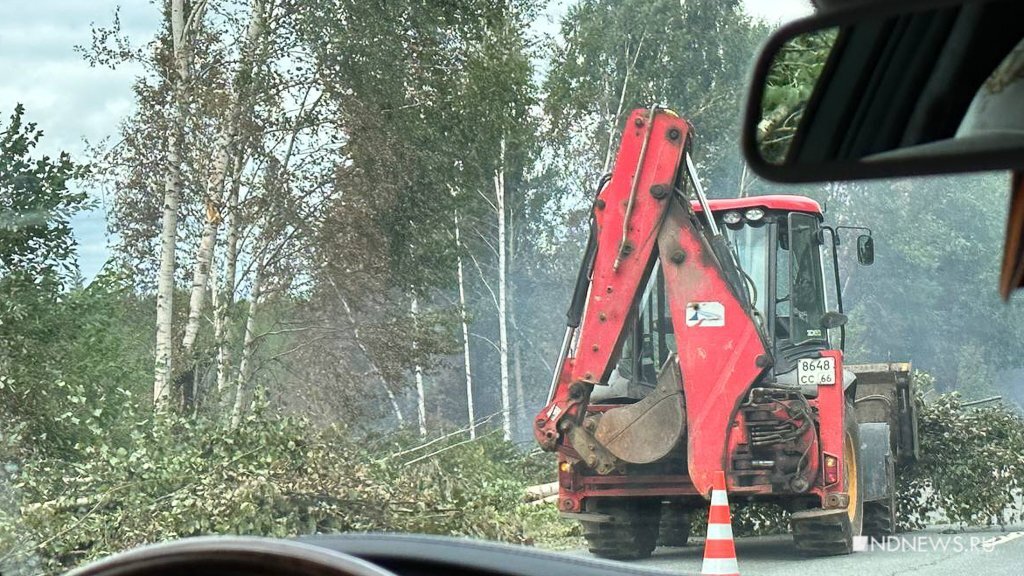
{"x": 179, "y": 476}
{"x": 971, "y": 470}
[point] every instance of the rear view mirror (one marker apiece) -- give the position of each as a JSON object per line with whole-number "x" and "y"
{"x": 890, "y": 89}
{"x": 865, "y": 249}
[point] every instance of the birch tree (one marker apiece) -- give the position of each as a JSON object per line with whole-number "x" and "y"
{"x": 421, "y": 398}
{"x": 361, "y": 204}
{"x": 499, "y": 201}
{"x": 502, "y": 151}
{"x": 243, "y": 382}
{"x": 223, "y": 327}
{"x": 464, "y": 322}
{"x": 410, "y": 132}
{"x": 178, "y": 131}
{"x": 619, "y": 55}
{"x": 182, "y": 24}
{"x": 224, "y": 150}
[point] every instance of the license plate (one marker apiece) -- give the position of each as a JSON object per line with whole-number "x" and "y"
{"x": 816, "y": 371}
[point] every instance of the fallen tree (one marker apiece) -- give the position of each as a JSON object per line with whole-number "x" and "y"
{"x": 541, "y": 492}
{"x": 179, "y": 476}
{"x": 971, "y": 470}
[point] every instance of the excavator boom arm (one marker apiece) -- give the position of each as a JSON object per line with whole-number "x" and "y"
{"x": 640, "y": 214}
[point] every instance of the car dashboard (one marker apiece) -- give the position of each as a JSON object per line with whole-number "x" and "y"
{"x": 350, "y": 555}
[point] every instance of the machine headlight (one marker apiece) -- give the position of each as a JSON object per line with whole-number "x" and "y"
{"x": 754, "y": 214}
{"x": 732, "y": 218}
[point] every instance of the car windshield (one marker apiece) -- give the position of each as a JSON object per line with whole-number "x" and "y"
{"x": 289, "y": 268}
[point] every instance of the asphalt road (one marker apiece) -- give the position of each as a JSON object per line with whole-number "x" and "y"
{"x": 926, "y": 552}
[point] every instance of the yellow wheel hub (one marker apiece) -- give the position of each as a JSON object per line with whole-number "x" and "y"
{"x": 850, "y": 475}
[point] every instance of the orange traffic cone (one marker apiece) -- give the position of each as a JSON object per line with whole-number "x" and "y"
{"x": 719, "y": 548}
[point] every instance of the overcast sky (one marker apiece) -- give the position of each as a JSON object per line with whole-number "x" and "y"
{"x": 70, "y": 101}
{"x": 73, "y": 103}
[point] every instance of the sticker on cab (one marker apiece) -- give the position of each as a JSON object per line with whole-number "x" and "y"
{"x": 705, "y": 314}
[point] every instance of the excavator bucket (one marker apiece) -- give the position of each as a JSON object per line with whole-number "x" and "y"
{"x": 885, "y": 394}
{"x": 648, "y": 430}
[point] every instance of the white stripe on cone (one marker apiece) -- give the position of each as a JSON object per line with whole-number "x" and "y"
{"x": 719, "y": 532}
{"x": 719, "y": 498}
{"x": 720, "y": 566}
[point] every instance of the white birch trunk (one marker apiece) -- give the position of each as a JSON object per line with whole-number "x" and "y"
{"x": 224, "y": 329}
{"x": 215, "y": 183}
{"x": 499, "y": 195}
{"x": 245, "y": 366}
{"x": 165, "y": 280}
{"x": 366, "y": 354}
{"x": 200, "y": 278}
{"x": 394, "y": 406}
{"x": 164, "y": 367}
{"x": 421, "y": 400}
{"x": 465, "y": 333}
{"x": 613, "y": 124}
{"x": 200, "y": 396}
{"x": 743, "y": 180}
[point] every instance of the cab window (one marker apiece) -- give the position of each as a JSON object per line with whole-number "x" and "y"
{"x": 807, "y": 293}
{"x": 650, "y": 337}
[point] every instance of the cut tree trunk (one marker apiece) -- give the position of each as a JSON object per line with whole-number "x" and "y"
{"x": 552, "y": 499}
{"x": 540, "y": 491}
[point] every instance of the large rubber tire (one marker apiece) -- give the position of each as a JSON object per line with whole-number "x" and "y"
{"x": 675, "y": 524}
{"x": 633, "y": 531}
{"x": 880, "y": 515}
{"x": 825, "y": 532}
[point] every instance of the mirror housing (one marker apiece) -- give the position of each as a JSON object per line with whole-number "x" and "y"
{"x": 901, "y": 88}
{"x": 865, "y": 249}
{"x": 831, "y": 320}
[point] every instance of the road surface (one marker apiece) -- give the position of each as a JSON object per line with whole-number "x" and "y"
{"x": 977, "y": 552}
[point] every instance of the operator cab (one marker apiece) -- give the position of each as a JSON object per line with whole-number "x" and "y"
{"x": 778, "y": 246}
{"x": 788, "y": 259}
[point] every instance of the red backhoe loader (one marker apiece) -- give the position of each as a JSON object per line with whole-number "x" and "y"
{"x": 707, "y": 336}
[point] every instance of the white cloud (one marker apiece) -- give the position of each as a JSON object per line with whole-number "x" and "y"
{"x": 39, "y": 67}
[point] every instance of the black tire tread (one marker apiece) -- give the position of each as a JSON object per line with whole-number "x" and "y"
{"x": 633, "y": 533}
{"x": 823, "y": 536}
{"x": 831, "y": 534}
{"x": 879, "y": 519}
{"x": 675, "y": 525}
